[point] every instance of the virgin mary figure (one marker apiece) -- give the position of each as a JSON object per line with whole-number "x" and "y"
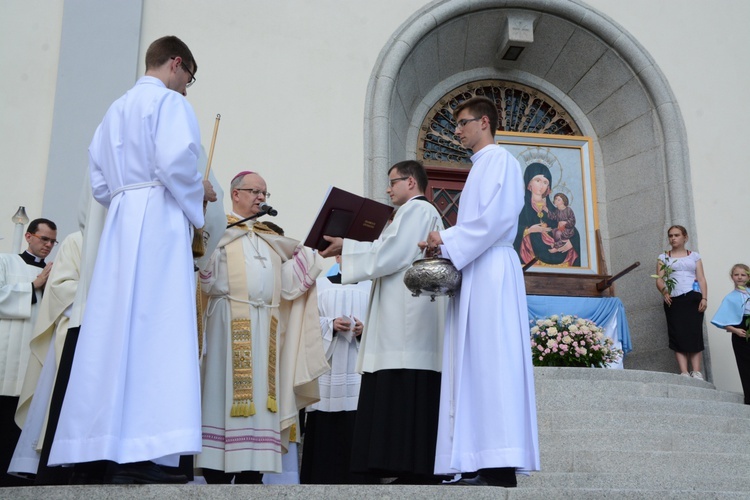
{"x": 534, "y": 224}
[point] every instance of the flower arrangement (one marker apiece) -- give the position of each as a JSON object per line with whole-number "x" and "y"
{"x": 571, "y": 341}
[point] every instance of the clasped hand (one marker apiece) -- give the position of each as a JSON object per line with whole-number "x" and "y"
{"x": 343, "y": 324}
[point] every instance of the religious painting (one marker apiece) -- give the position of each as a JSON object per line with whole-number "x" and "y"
{"x": 558, "y": 222}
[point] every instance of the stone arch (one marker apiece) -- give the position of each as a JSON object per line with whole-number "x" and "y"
{"x": 613, "y": 89}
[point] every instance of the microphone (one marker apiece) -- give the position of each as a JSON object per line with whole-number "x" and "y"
{"x": 268, "y": 209}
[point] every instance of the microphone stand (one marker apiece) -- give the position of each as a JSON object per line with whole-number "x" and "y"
{"x": 259, "y": 214}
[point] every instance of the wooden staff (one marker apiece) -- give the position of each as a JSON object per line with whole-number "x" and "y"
{"x": 199, "y": 246}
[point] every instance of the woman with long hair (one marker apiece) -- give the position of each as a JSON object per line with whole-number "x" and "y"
{"x": 678, "y": 270}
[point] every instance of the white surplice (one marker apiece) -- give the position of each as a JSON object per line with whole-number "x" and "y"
{"x": 134, "y": 390}
{"x": 50, "y": 330}
{"x": 401, "y": 331}
{"x": 17, "y": 315}
{"x": 256, "y": 442}
{"x": 339, "y": 388}
{"x": 487, "y": 399}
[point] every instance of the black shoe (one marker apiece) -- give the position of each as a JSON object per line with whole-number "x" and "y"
{"x": 418, "y": 479}
{"x": 483, "y": 480}
{"x": 142, "y": 473}
{"x": 84, "y": 473}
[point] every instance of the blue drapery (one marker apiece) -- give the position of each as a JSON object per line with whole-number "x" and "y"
{"x": 598, "y": 309}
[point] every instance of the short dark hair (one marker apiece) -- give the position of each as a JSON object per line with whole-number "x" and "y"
{"x": 479, "y": 107}
{"x": 563, "y": 197}
{"x": 166, "y": 47}
{"x": 412, "y": 168}
{"x": 34, "y": 225}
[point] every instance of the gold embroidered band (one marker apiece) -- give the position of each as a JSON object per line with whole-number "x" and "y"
{"x": 242, "y": 369}
{"x": 272, "y": 403}
{"x": 241, "y": 335}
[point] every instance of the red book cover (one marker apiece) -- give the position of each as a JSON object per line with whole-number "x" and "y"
{"x": 347, "y": 215}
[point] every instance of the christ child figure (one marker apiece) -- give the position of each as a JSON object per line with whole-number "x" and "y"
{"x": 566, "y": 221}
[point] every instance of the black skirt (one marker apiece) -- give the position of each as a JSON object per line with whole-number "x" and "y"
{"x": 685, "y": 323}
{"x": 395, "y": 433}
{"x": 741, "y": 348}
{"x": 326, "y": 453}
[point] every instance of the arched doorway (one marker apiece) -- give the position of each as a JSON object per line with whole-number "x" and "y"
{"x": 611, "y": 88}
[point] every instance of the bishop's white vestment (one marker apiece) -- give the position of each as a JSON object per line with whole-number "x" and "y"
{"x": 263, "y": 347}
{"x": 134, "y": 390}
{"x": 487, "y": 399}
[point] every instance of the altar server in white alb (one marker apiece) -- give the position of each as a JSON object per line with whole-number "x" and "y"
{"x": 134, "y": 392}
{"x": 329, "y": 424}
{"x": 487, "y": 400}
{"x": 263, "y": 350}
{"x": 22, "y": 281}
{"x": 401, "y": 348}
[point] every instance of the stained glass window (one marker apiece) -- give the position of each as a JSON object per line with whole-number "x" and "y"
{"x": 520, "y": 109}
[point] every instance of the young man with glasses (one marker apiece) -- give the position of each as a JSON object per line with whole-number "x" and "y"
{"x": 22, "y": 281}
{"x": 487, "y": 403}
{"x": 400, "y": 351}
{"x": 134, "y": 392}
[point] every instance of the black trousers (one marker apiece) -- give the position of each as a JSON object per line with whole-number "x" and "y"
{"x": 9, "y": 434}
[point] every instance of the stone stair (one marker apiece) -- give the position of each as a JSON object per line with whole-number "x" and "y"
{"x": 625, "y": 434}
{"x": 639, "y": 433}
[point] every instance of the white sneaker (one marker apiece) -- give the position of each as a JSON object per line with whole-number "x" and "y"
{"x": 685, "y": 374}
{"x": 697, "y": 375}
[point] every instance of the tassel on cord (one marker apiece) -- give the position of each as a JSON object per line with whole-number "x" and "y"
{"x": 272, "y": 405}
{"x": 293, "y": 434}
{"x": 243, "y": 409}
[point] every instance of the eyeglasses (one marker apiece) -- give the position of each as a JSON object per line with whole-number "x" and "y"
{"x": 192, "y": 76}
{"x": 394, "y": 181}
{"x": 255, "y": 192}
{"x": 462, "y": 123}
{"x": 45, "y": 240}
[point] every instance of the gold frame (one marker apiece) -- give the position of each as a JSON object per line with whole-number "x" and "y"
{"x": 570, "y": 160}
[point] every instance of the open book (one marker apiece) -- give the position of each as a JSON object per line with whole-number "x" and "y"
{"x": 347, "y": 215}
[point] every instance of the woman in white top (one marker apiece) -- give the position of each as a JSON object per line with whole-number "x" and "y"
{"x": 683, "y": 305}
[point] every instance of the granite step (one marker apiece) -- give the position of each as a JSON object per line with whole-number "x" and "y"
{"x": 619, "y": 422}
{"x": 615, "y": 389}
{"x": 669, "y": 463}
{"x": 649, "y": 480}
{"x": 646, "y": 440}
{"x": 594, "y": 402}
{"x": 348, "y": 492}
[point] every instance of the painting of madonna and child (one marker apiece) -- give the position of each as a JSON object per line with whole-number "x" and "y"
{"x": 558, "y": 222}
